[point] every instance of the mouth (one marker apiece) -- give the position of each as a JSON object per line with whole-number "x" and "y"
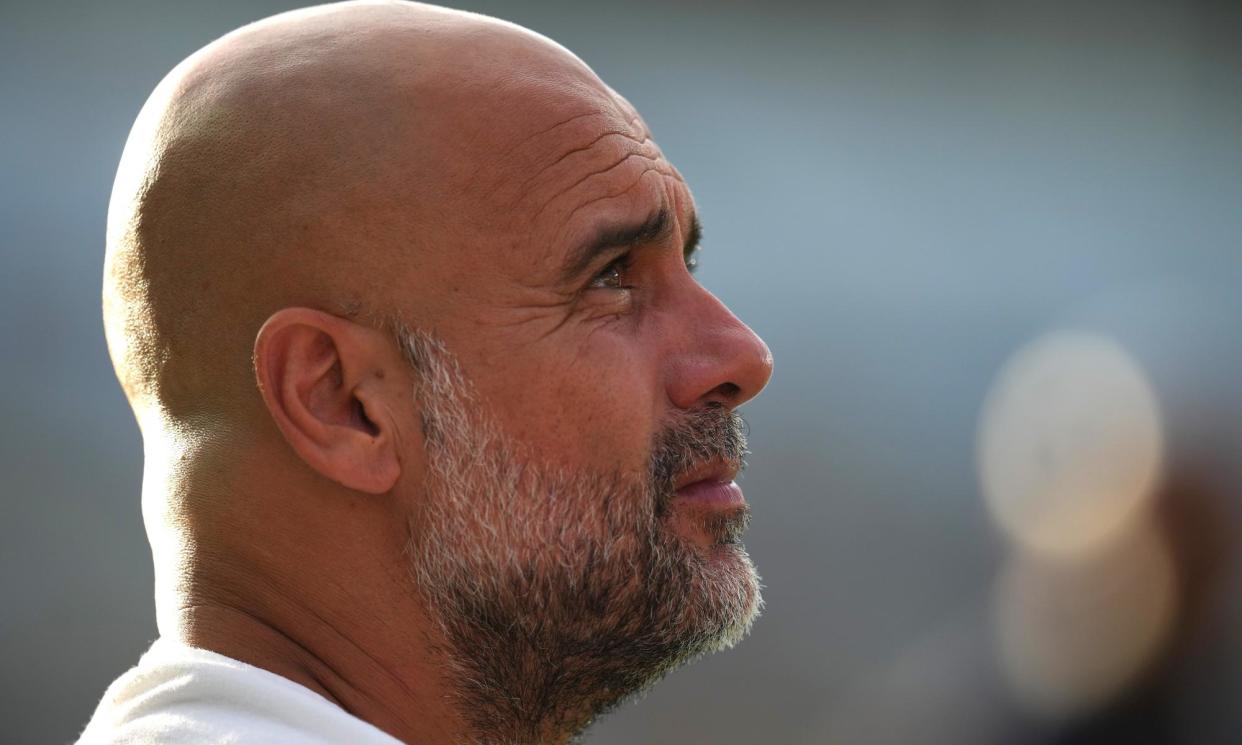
{"x": 712, "y": 486}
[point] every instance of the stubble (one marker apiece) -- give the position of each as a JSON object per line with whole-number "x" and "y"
{"x": 558, "y": 594}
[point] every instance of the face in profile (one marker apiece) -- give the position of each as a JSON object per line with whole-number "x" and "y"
{"x": 577, "y": 531}
{"x": 565, "y": 470}
{"x": 552, "y": 582}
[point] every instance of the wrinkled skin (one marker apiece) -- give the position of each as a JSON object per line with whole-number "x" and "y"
{"x": 561, "y": 591}
{"x": 290, "y": 190}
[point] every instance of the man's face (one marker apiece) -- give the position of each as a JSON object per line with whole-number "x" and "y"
{"x": 563, "y": 284}
{"x": 562, "y": 591}
{"x": 598, "y": 379}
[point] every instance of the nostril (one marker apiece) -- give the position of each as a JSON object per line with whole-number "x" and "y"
{"x": 729, "y": 392}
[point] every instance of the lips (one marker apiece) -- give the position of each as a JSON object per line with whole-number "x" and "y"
{"x": 712, "y": 493}
{"x": 711, "y": 484}
{"x": 719, "y": 470}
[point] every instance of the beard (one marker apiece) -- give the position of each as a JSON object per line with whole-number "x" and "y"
{"x": 558, "y": 593}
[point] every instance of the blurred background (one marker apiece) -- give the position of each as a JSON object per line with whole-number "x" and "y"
{"x": 994, "y": 247}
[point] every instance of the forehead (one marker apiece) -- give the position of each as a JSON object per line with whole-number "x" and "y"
{"x": 514, "y": 158}
{"x": 596, "y": 163}
{"x": 571, "y": 155}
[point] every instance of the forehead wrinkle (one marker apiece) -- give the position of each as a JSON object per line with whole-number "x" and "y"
{"x": 510, "y": 153}
{"x": 583, "y": 137}
{"x": 523, "y": 187}
{"x": 603, "y": 171}
{"x": 613, "y": 195}
{"x": 548, "y": 130}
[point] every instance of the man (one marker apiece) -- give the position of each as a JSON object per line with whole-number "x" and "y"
{"x": 440, "y": 431}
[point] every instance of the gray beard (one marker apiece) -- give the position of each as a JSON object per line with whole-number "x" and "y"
{"x": 558, "y": 594}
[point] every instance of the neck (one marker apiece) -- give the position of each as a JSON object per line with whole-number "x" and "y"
{"x": 391, "y": 686}
{"x": 313, "y": 587}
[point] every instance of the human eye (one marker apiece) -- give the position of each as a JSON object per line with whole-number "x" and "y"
{"x": 612, "y": 277}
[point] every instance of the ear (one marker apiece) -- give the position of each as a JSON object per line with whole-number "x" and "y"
{"x": 328, "y": 384}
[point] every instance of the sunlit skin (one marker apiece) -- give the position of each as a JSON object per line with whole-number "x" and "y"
{"x": 373, "y": 161}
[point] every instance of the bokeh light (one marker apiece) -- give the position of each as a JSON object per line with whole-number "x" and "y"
{"x": 1073, "y": 634}
{"x": 1070, "y": 443}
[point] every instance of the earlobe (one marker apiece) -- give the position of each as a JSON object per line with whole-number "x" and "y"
{"x": 322, "y": 382}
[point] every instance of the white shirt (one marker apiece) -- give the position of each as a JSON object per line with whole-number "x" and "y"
{"x": 185, "y": 696}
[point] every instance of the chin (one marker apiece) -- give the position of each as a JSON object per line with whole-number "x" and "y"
{"x": 732, "y": 595}
{"x": 718, "y": 586}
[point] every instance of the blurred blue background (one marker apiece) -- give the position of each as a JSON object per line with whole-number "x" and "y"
{"x": 898, "y": 196}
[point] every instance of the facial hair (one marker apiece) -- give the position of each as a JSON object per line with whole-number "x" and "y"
{"x": 559, "y": 593}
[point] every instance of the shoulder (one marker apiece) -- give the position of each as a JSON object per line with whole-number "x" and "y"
{"x": 178, "y": 694}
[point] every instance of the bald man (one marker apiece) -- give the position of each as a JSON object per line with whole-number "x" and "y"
{"x": 440, "y": 430}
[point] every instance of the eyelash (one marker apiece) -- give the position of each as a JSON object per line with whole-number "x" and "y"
{"x": 621, "y": 265}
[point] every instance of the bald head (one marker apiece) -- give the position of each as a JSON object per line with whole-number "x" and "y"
{"x": 332, "y": 158}
{"x": 438, "y": 421}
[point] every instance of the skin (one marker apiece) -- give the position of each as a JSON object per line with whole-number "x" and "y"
{"x": 284, "y": 192}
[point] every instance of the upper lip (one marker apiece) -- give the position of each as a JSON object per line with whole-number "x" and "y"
{"x": 720, "y": 471}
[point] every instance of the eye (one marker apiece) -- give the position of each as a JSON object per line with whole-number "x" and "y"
{"x": 612, "y": 277}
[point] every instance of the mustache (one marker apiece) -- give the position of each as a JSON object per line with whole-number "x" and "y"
{"x": 711, "y": 433}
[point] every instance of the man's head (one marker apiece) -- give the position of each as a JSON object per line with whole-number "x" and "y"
{"x": 402, "y": 299}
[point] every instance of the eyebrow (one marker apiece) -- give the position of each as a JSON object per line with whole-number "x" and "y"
{"x": 627, "y": 235}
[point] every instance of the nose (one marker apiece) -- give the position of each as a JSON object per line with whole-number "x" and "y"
{"x": 716, "y": 358}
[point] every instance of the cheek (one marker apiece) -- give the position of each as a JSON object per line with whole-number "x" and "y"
{"x": 596, "y": 406}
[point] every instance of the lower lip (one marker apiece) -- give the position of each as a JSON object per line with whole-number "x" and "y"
{"x": 712, "y": 494}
